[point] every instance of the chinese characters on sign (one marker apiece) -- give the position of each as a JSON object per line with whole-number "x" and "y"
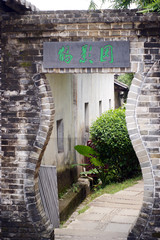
{"x": 86, "y": 55}
{"x": 105, "y": 53}
{"x": 64, "y": 56}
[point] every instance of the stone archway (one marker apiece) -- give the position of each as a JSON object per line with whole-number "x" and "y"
{"x": 24, "y": 88}
{"x": 143, "y": 126}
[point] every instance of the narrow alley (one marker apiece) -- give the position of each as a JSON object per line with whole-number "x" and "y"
{"x": 108, "y": 217}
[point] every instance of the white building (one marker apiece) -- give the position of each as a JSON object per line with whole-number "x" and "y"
{"x": 79, "y": 100}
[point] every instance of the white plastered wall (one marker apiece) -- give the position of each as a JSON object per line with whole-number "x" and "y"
{"x": 70, "y": 93}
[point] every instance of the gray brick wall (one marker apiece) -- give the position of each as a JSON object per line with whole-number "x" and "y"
{"x": 0, "y": 95}
{"x": 28, "y": 109}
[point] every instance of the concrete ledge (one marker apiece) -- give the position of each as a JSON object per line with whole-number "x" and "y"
{"x": 70, "y": 202}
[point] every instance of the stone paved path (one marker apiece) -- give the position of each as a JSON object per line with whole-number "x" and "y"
{"x": 109, "y": 217}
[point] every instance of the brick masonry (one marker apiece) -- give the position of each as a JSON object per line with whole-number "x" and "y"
{"x": 0, "y": 117}
{"x": 143, "y": 126}
{"x": 28, "y": 109}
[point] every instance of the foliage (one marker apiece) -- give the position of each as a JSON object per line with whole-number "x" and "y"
{"x": 62, "y": 193}
{"x": 97, "y": 166}
{"x": 93, "y": 5}
{"x": 110, "y": 136}
{"x": 145, "y": 5}
{"x": 154, "y": 6}
{"x": 122, "y": 4}
{"x": 85, "y": 208}
{"x": 85, "y": 150}
{"x": 112, "y": 188}
{"x": 74, "y": 188}
{"x": 26, "y": 64}
{"x": 126, "y": 78}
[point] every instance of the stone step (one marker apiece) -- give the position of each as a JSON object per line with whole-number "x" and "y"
{"x": 76, "y": 234}
{"x": 117, "y": 205}
{"x": 109, "y": 217}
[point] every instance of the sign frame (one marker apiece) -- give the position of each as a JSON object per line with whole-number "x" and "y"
{"x": 88, "y": 54}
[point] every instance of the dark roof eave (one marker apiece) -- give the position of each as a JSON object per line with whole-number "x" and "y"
{"x": 121, "y": 85}
{"x": 19, "y": 6}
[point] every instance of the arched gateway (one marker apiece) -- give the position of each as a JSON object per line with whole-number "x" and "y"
{"x": 27, "y": 108}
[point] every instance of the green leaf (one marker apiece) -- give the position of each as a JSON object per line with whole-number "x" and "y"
{"x": 96, "y": 162}
{"x": 85, "y": 150}
{"x": 92, "y": 5}
{"x": 92, "y": 171}
{"x": 80, "y": 164}
{"x": 153, "y": 6}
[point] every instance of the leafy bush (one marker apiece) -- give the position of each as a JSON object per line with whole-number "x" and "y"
{"x": 153, "y": 6}
{"x": 145, "y": 5}
{"x": 110, "y": 136}
{"x": 95, "y": 165}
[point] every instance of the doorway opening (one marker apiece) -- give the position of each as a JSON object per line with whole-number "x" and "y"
{"x": 79, "y": 100}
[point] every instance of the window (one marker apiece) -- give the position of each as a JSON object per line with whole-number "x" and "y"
{"x": 86, "y": 115}
{"x": 60, "y": 136}
{"x": 100, "y": 108}
{"x": 110, "y": 104}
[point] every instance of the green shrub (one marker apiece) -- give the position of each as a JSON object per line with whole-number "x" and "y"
{"x": 126, "y": 78}
{"x": 95, "y": 165}
{"x": 110, "y": 136}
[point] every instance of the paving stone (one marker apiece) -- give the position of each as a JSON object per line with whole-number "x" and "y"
{"x": 130, "y": 193}
{"x": 92, "y": 217}
{"x": 83, "y": 225}
{"x": 118, "y": 227}
{"x": 117, "y": 205}
{"x": 119, "y": 199}
{"x": 99, "y": 210}
{"x": 123, "y": 219}
{"x": 110, "y": 217}
{"x": 87, "y": 233}
{"x": 129, "y": 212}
